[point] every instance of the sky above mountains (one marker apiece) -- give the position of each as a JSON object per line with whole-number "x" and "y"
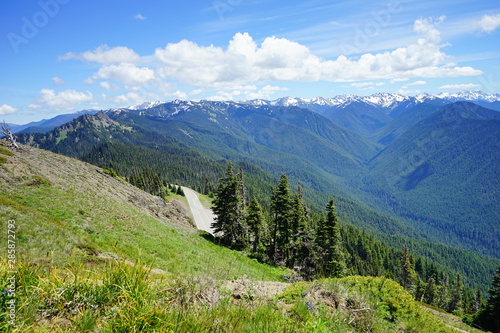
{"x": 60, "y": 56}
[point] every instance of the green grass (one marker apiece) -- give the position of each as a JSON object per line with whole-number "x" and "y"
{"x": 57, "y": 220}
{"x": 87, "y": 244}
{"x": 112, "y": 296}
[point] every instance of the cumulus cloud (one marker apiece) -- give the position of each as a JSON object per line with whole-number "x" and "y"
{"x": 64, "y": 100}
{"x": 140, "y": 17}
{"x": 126, "y": 73}
{"x": 130, "y": 98}
{"x": 108, "y": 86}
{"x": 7, "y": 109}
{"x": 279, "y": 59}
{"x": 105, "y": 55}
{"x": 245, "y": 69}
{"x": 465, "y": 86}
{"x": 489, "y": 23}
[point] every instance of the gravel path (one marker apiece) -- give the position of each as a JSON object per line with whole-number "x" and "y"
{"x": 203, "y": 217}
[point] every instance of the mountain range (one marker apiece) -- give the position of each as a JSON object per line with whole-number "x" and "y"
{"x": 428, "y": 163}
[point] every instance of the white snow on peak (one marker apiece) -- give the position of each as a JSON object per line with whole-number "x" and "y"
{"x": 469, "y": 96}
{"x": 145, "y": 105}
{"x": 384, "y": 100}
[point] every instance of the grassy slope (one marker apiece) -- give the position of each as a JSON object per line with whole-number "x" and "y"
{"x": 65, "y": 208}
{"x": 66, "y": 211}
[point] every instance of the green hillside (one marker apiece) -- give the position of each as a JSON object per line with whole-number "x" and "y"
{"x": 67, "y": 210}
{"x": 444, "y": 173}
{"x": 140, "y": 140}
{"x": 94, "y": 253}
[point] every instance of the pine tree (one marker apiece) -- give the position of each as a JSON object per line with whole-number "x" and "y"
{"x": 281, "y": 208}
{"x": 488, "y": 318}
{"x": 255, "y": 222}
{"x": 407, "y": 268}
{"x": 298, "y": 224}
{"x": 228, "y": 210}
{"x": 456, "y": 295}
{"x": 334, "y": 257}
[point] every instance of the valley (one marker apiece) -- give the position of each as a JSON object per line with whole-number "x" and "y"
{"x": 419, "y": 173}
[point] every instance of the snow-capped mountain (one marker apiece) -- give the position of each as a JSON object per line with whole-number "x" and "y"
{"x": 145, "y": 105}
{"x": 386, "y": 101}
{"x": 383, "y": 100}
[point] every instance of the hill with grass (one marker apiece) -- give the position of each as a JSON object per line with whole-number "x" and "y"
{"x": 93, "y": 253}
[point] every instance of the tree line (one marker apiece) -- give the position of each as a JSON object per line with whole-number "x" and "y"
{"x": 284, "y": 231}
{"x": 285, "y": 234}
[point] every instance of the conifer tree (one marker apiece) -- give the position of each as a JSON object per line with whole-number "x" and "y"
{"x": 334, "y": 257}
{"x": 255, "y": 223}
{"x": 456, "y": 295}
{"x": 407, "y": 268}
{"x": 228, "y": 210}
{"x": 281, "y": 205}
{"x": 488, "y": 318}
{"x": 298, "y": 224}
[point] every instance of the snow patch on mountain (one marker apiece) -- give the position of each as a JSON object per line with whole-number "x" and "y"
{"x": 383, "y": 100}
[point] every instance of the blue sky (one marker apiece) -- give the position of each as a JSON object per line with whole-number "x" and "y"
{"x": 61, "y": 56}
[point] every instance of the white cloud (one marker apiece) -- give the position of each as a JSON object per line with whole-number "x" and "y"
{"x": 247, "y": 92}
{"x": 58, "y": 81}
{"x": 64, "y": 100}
{"x": 108, "y": 86}
{"x": 465, "y": 86}
{"x": 417, "y": 83}
{"x": 427, "y": 27}
{"x": 126, "y": 73}
{"x": 140, "y": 17}
{"x": 367, "y": 85}
{"x": 130, "y": 98}
{"x": 404, "y": 79}
{"x": 246, "y": 69}
{"x": 105, "y": 55}
{"x": 279, "y": 59}
{"x": 7, "y": 109}
{"x": 489, "y": 23}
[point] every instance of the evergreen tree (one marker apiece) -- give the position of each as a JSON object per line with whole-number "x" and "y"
{"x": 330, "y": 240}
{"x": 488, "y": 318}
{"x": 298, "y": 224}
{"x": 148, "y": 180}
{"x": 255, "y": 223}
{"x": 281, "y": 209}
{"x": 227, "y": 207}
{"x": 180, "y": 191}
{"x": 456, "y": 295}
{"x": 407, "y": 268}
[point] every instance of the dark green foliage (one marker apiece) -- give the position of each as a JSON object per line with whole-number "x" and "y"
{"x": 488, "y": 317}
{"x": 408, "y": 274}
{"x": 330, "y": 240}
{"x": 228, "y": 206}
{"x": 175, "y": 140}
{"x": 177, "y": 165}
{"x": 148, "y": 180}
{"x": 180, "y": 191}
{"x": 256, "y": 223}
{"x": 281, "y": 224}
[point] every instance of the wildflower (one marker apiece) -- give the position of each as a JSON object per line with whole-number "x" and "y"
{"x": 7, "y": 292}
{"x": 310, "y": 306}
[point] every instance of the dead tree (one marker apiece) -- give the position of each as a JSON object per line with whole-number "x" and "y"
{"x": 9, "y": 136}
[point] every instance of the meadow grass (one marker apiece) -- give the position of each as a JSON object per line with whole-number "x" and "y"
{"x": 89, "y": 249}
{"x": 115, "y": 296}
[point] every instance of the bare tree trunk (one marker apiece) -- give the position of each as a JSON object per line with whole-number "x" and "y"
{"x": 9, "y": 136}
